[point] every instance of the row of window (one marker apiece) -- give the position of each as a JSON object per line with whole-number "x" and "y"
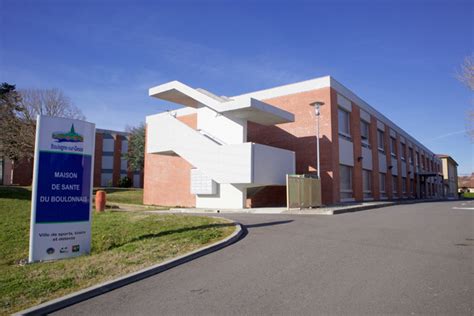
{"x": 345, "y": 132}
{"x": 345, "y": 174}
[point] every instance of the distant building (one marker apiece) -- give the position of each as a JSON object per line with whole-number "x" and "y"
{"x": 466, "y": 183}
{"x": 110, "y": 165}
{"x": 450, "y": 176}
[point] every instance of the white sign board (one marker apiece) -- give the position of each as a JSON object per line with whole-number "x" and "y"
{"x": 61, "y": 205}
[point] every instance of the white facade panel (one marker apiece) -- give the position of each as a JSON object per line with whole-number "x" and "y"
{"x": 124, "y": 148}
{"x": 365, "y": 116}
{"x": 108, "y": 145}
{"x": 107, "y": 162}
{"x": 380, "y": 126}
{"x": 346, "y": 152}
{"x": 228, "y": 197}
{"x": 271, "y": 165}
{"x": 404, "y": 169}
{"x": 344, "y": 103}
{"x": 123, "y": 164}
{"x": 382, "y": 163}
{"x": 394, "y": 166}
{"x": 106, "y": 179}
{"x": 366, "y": 158}
{"x": 136, "y": 181}
{"x": 223, "y": 129}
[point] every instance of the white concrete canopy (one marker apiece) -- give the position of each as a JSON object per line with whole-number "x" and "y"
{"x": 246, "y": 108}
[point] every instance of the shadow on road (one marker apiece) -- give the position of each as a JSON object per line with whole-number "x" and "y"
{"x": 268, "y": 224}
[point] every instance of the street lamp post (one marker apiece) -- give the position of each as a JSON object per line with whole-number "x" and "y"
{"x": 317, "y": 106}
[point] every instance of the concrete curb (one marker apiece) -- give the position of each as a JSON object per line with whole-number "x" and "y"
{"x": 388, "y": 204}
{"x": 107, "y": 286}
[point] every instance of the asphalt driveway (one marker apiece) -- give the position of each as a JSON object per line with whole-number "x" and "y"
{"x": 408, "y": 259}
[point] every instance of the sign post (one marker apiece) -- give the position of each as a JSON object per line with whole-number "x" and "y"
{"x": 61, "y": 205}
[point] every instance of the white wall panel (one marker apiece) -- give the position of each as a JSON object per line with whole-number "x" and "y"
{"x": 382, "y": 163}
{"x": 271, "y": 165}
{"x": 108, "y": 144}
{"x": 394, "y": 167}
{"x": 367, "y": 158}
{"x": 346, "y": 152}
{"x": 344, "y": 103}
{"x": 107, "y": 162}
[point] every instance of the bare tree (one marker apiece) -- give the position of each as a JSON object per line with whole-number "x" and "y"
{"x": 50, "y": 102}
{"x": 466, "y": 76}
{"x": 18, "y": 119}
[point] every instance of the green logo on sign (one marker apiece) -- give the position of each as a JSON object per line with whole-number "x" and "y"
{"x": 70, "y": 137}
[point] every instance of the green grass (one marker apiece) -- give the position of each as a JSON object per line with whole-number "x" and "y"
{"x": 122, "y": 242}
{"x": 468, "y": 195}
{"x": 123, "y": 195}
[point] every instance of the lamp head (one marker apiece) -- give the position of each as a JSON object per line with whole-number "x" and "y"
{"x": 317, "y": 104}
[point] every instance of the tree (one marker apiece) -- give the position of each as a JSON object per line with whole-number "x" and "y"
{"x": 136, "y": 147}
{"x": 50, "y": 102}
{"x": 18, "y": 112}
{"x": 466, "y": 76}
{"x": 15, "y": 138}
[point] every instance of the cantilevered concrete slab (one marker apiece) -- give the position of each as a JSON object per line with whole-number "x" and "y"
{"x": 246, "y": 108}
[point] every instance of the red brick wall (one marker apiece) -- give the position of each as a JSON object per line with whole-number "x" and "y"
{"x": 356, "y": 140}
{"x": 117, "y": 158}
{"x": 167, "y": 178}
{"x": 388, "y": 185}
{"x": 300, "y": 137}
{"x": 399, "y": 166}
{"x": 98, "y": 158}
{"x": 375, "y": 158}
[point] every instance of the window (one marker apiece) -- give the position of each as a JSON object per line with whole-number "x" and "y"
{"x": 411, "y": 189}
{"x": 367, "y": 183}
{"x": 124, "y": 149}
{"x": 404, "y": 185}
{"x": 410, "y": 155}
{"x": 417, "y": 159}
{"x": 381, "y": 140}
{"x": 404, "y": 151}
{"x": 393, "y": 146}
{"x": 382, "y": 179}
{"x": 344, "y": 123}
{"x": 345, "y": 174}
{"x": 106, "y": 180}
{"x": 394, "y": 184}
{"x": 364, "y": 133}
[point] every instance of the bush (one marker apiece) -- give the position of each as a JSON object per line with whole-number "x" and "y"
{"x": 125, "y": 182}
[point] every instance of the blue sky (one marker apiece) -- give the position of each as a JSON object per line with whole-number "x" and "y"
{"x": 399, "y": 56}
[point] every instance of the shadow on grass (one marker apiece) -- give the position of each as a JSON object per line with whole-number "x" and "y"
{"x": 170, "y": 232}
{"x": 193, "y": 228}
{"x": 15, "y": 192}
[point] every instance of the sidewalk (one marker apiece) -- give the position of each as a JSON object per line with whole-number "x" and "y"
{"x": 324, "y": 210}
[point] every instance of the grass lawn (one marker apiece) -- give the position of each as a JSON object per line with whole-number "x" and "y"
{"x": 123, "y": 195}
{"x": 468, "y": 195}
{"x": 122, "y": 242}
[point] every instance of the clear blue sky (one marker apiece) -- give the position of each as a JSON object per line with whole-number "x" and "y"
{"x": 399, "y": 56}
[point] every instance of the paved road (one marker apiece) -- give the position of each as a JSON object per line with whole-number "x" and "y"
{"x": 409, "y": 259}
